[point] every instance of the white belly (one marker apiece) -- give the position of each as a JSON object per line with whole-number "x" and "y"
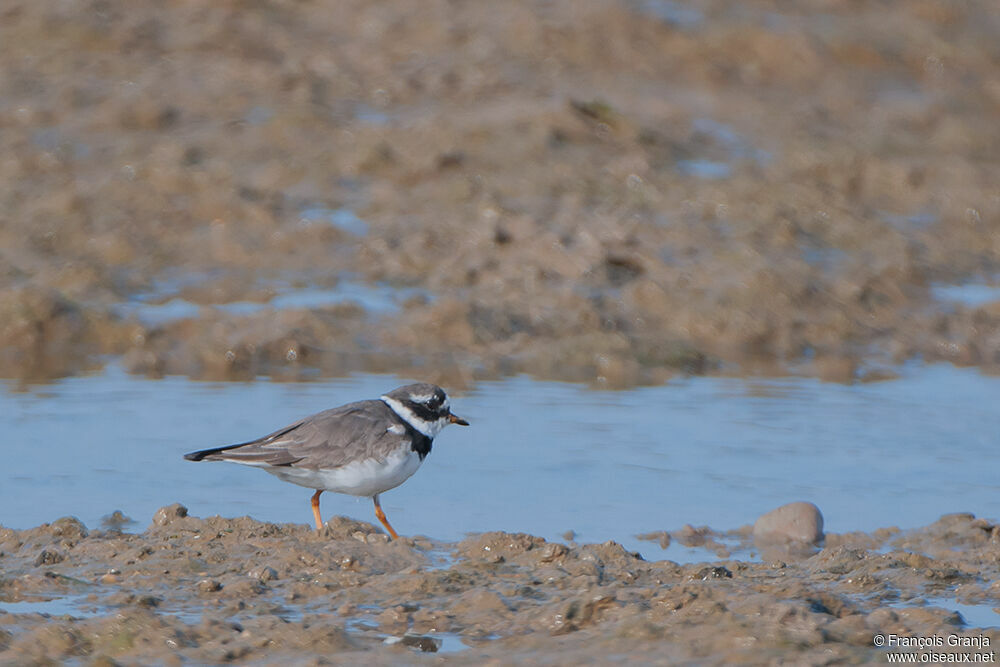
{"x": 361, "y": 478}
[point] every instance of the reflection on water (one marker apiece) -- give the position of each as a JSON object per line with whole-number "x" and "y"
{"x": 540, "y": 457}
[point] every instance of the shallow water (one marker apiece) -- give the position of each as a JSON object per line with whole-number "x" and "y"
{"x": 376, "y": 299}
{"x": 69, "y": 605}
{"x": 984, "y": 615}
{"x": 540, "y": 457}
{"x": 971, "y": 295}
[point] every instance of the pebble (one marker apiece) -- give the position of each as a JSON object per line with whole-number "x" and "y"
{"x": 168, "y": 514}
{"x": 795, "y": 522}
{"x": 209, "y": 586}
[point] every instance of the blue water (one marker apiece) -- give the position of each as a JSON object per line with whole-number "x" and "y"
{"x": 540, "y": 457}
{"x": 71, "y": 605}
{"x": 341, "y": 218}
{"x": 971, "y": 295}
{"x": 377, "y": 300}
{"x": 974, "y": 615}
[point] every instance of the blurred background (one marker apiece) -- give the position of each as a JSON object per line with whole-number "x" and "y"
{"x": 500, "y": 197}
{"x": 605, "y": 192}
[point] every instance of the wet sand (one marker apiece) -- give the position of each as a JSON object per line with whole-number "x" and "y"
{"x": 605, "y": 192}
{"x": 218, "y": 590}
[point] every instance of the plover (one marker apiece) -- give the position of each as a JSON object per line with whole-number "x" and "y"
{"x": 361, "y": 449}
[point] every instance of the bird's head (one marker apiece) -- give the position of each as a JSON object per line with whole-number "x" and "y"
{"x": 423, "y": 406}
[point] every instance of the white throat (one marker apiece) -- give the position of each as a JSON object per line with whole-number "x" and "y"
{"x": 430, "y": 429}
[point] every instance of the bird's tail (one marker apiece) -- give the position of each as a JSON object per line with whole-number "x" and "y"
{"x": 208, "y": 453}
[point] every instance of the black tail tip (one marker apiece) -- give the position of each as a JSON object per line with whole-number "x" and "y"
{"x": 194, "y": 456}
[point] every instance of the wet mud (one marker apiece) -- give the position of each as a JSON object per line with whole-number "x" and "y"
{"x": 215, "y": 590}
{"x": 606, "y": 192}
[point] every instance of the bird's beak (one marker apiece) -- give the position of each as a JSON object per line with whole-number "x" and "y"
{"x": 455, "y": 419}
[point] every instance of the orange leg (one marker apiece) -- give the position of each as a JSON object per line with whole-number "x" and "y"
{"x": 381, "y": 517}
{"x": 316, "y": 514}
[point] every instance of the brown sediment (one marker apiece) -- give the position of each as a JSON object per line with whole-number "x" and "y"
{"x": 221, "y": 590}
{"x": 589, "y": 191}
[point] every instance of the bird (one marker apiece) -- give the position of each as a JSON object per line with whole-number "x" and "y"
{"x": 361, "y": 449}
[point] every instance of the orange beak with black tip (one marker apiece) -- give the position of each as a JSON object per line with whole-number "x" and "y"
{"x": 455, "y": 419}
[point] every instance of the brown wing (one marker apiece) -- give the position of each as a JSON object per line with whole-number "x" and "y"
{"x": 328, "y": 439}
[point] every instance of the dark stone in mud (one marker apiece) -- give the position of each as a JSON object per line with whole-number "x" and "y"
{"x": 714, "y": 572}
{"x": 263, "y": 573}
{"x": 167, "y": 515}
{"x": 49, "y": 557}
{"x": 421, "y": 643}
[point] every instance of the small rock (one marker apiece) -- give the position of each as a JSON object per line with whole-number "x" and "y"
{"x": 795, "y": 522}
{"x": 660, "y": 536}
{"x": 553, "y": 551}
{"x": 68, "y": 527}
{"x": 209, "y": 586}
{"x": 263, "y": 573}
{"x": 713, "y": 572}
{"x": 166, "y": 515}
{"x": 420, "y": 642}
{"x": 49, "y": 557}
{"x": 348, "y": 562}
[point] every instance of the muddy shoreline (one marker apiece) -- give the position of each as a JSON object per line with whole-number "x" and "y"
{"x": 602, "y": 192}
{"x": 220, "y": 590}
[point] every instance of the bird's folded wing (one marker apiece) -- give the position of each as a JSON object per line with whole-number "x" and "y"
{"x": 326, "y": 440}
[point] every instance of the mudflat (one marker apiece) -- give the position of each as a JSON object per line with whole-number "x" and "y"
{"x": 606, "y": 192}
{"x": 216, "y": 590}
{"x": 603, "y": 192}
